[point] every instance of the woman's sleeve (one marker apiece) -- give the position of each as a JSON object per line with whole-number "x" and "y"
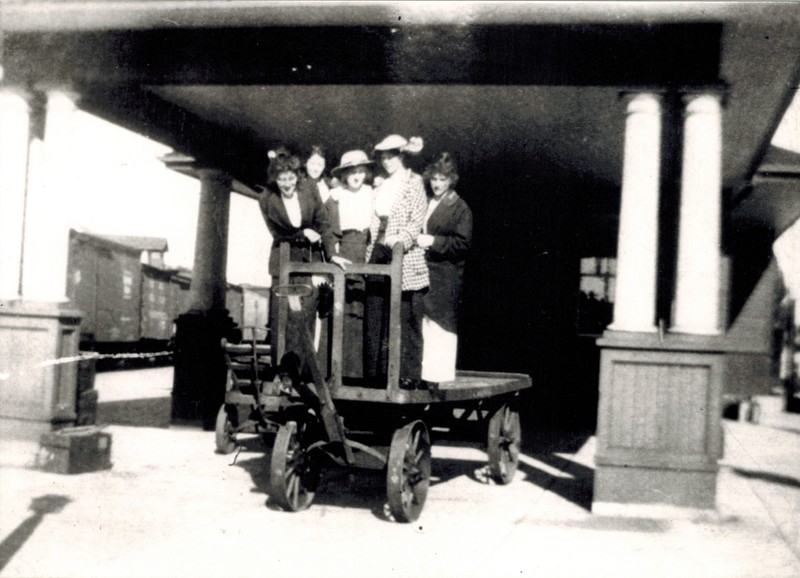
{"x": 416, "y": 206}
{"x": 455, "y": 245}
{"x": 264, "y": 206}
{"x": 332, "y": 207}
{"x": 322, "y": 225}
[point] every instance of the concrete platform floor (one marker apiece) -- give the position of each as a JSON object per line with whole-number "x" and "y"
{"x": 170, "y": 507}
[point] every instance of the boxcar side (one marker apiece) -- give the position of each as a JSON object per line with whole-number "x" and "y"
{"x": 156, "y": 312}
{"x": 234, "y": 303}
{"x": 104, "y": 281}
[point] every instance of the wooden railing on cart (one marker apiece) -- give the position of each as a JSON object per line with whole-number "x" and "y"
{"x": 392, "y": 270}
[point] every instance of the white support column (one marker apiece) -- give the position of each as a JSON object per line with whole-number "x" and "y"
{"x": 637, "y": 247}
{"x": 14, "y": 134}
{"x": 696, "y": 307}
{"x": 44, "y": 274}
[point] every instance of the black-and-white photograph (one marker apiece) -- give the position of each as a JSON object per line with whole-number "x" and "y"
{"x": 399, "y": 289}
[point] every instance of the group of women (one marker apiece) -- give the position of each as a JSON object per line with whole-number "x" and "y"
{"x": 358, "y": 216}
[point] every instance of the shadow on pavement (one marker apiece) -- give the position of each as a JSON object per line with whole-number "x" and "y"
{"x": 550, "y": 447}
{"x": 41, "y": 506}
{"x": 786, "y": 429}
{"x": 577, "y": 488}
{"x": 366, "y": 489}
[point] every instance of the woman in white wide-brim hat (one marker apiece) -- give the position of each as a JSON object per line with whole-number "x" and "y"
{"x": 400, "y": 205}
{"x": 350, "y": 208}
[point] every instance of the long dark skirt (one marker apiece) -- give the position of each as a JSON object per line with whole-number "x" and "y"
{"x": 309, "y": 310}
{"x": 376, "y": 317}
{"x": 353, "y": 246}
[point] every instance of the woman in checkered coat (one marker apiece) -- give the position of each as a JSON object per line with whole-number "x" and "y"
{"x": 400, "y": 205}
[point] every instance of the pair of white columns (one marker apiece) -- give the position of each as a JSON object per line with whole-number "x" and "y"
{"x": 34, "y": 234}
{"x": 697, "y": 294}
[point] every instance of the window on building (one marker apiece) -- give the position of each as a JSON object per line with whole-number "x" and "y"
{"x": 596, "y": 298}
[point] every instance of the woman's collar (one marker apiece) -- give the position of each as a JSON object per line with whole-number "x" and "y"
{"x": 449, "y": 197}
{"x": 400, "y": 174}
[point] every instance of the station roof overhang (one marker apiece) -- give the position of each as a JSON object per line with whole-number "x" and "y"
{"x": 525, "y": 86}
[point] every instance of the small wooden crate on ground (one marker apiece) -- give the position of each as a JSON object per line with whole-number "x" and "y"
{"x": 75, "y": 450}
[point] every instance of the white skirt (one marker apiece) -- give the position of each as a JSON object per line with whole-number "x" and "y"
{"x": 439, "y": 348}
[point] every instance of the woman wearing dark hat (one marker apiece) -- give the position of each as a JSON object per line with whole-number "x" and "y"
{"x": 399, "y": 212}
{"x": 294, "y": 214}
{"x": 350, "y": 209}
{"x": 446, "y": 238}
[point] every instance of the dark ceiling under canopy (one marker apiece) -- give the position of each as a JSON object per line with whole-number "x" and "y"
{"x": 531, "y": 86}
{"x": 529, "y": 96}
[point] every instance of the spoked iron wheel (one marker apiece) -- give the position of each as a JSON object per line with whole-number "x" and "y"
{"x": 224, "y": 432}
{"x": 504, "y": 443}
{"x": 408, "y": 471}
{"x": 294, "y": 471}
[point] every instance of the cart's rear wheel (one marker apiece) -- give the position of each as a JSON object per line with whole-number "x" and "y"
{"x": 294, "y": 471}
{"x": 408, "y": 471}
{"x": 503, "y": 446}
{"x": 224, "y": 432}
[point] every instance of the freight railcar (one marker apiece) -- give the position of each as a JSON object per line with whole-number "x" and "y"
{"x": 104, "y": 281}
{"x": 130, "y": 306}
{"x": 157, "y": 312}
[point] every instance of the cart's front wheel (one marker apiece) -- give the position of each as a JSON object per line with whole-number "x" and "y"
{"x": 504, "y": 442}
{"x": 294, "y": 471}
{"x": 224, "y": 432}
{"x": 408, "y": 471}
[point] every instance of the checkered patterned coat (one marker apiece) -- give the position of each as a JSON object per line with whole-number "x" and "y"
{"x": 405, "y": 221}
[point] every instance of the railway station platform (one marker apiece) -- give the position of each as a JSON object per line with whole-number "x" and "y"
{"x": 170, "y": 506}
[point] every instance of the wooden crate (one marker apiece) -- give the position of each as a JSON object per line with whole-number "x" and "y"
{"x": 75, "y": 450}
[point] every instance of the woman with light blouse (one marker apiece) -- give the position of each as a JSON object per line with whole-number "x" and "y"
{"x": 350, "y": 208}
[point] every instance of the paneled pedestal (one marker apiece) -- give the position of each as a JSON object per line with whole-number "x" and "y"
{"x": 36, "y": 393}
{"x": 659, "y": 433}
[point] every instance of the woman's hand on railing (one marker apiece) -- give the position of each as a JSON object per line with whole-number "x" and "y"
{"x": 311, "y": 235}
{"x": 341, "y": 261}
{"x": 424, "y": 241}
{"x": 392, "y": 240}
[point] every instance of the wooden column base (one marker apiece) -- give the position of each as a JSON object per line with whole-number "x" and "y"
{"x": 659, "y": 433}
{"x": 36, "y": 394}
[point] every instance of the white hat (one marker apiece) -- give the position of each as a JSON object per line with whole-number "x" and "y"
{"x": 391, "y": 142}
{"x": 396, "y": 142}
{"x": 351, "y": 159}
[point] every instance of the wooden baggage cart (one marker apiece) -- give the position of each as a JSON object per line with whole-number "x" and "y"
{"x": 358, "y": 425}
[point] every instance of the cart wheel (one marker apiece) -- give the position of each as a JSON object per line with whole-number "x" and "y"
{"x": 408, "y": 471}
{"x": 224, "y": 432}
{"x": 504, "y": 442}
{"x": 294, "y": 471}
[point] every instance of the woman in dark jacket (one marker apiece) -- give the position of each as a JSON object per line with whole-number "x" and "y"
{"x": 446, "y": 238}
{"x": 294, "y": 214}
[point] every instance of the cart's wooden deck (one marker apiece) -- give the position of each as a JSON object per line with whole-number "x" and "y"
{"x": 468, "y": 385}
